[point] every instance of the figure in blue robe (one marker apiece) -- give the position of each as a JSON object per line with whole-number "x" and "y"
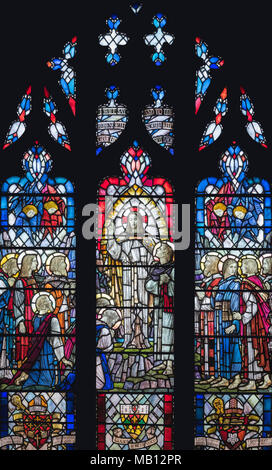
{"x": 6, "y": 320}
{"x": 103, "y": 344}
{"x": 228, "y": 359}
{"x": 45, "y": 371}
{"x": 243, "y": 213}
{"x": 28, "y": 213}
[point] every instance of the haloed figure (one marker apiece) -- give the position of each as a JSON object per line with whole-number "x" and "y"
{"x": 42, "y": 366}
{"x": 266, "y": 263}
{"x": 160, "y": 283}
{"x": 209, "y": 266}
{"x": 134, "y": 250}
{"x": 255, "y": 324}
{"x": 25, "y": 288}
{"x": 108, "y": 320}
{"x": 8, "y": 271}
{"x": 61, "y": 287}
{"x": 228, "y": 360}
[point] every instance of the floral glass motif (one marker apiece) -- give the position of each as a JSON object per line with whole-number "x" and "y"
{"x": 159, "y": 120}
{"x": 136, "y": 7}
{"x": 111, "y": 120}
{"x": 37, "y": 421}
{"x": 112, "y": 40}
{"x": 233, "y": 308}
{"x": 67, "y": 72}
{"x": 135, "y": 290}
{"x": 18, "y": 127}
{"x": 158, "y": 39}
{"x": 203, "y": 74}
{"x": 37, "y": 309}
{"x": 56, "y": 129}
{"x": 253, "y": 128}
{"x": 214, "y": 129}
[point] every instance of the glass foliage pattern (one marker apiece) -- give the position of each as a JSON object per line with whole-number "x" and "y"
{"x": 203, "y": 74}
{"x": 56, "y": 129}
{"x": 18, "y": 127}
{"x": 158, "y": 39}
{"x": 67, "y": 80}
{"x": 37, "y": 308}
{"x": 136, "y": 7}
{"x": 135, "y": 308}
{"x": 214, "y": 129}
{"x": 253, "y": 128}
{"x": 233, "y": 271}
{"x": 112, "y": 40}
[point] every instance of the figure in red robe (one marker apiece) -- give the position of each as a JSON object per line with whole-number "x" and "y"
{"x": 206, "y": 315}
{"x": 216, "y": 210}
{"x": 53, "y": 211}
{"x": 255, "y": 324}
{"x": 24, "y": 290}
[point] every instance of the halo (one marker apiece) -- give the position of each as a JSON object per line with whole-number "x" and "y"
{"x": 250, "y": 257}
{"x": 39, "y": 294}
{"x": 29, "y": 252}
{"x": 53, "y": 255}
{"x": 219, "y": 205}
{"x": 159, "y": 244}
{"x": 102, "y": 310}
{"x": 239, "y": 209}
{"x": 265, "y": 255}
{"x": 105, "y": 296}
{"x": 140, "y": 211}
{"x": 203, "y": 259}
{"x": 29, "y": 208}
{"x": 6, "y": 258}
{"x": 223, "y": 259}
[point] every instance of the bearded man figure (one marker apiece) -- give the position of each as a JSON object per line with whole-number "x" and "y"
{"x": 255, "y": 324}
{"x": 207, "y": 290}
{"x": 133, "y": 248}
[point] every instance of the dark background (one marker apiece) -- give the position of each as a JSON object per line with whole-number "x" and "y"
{"x": 31, "y": 36}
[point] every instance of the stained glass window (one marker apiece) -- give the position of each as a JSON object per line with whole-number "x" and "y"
{"x": 204, "y": 73}
{"x": 135, "y": 302}
{"x": 37, "y": 282}
{"x": 67, "y": 72}
{"x": 253, "y": 128}
{"x": 18, "y": 127}
{"x": 158, "y": 38}
{"x": 112, "y": 40}
{"x": 158, "y": 119}
{"x": 111, "y": 120}
{"x": 233, "y": 308}
{"x": 214, "y": 128}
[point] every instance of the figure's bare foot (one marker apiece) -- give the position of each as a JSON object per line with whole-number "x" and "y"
{"x": 22, "y": 378}
{"x": 251, "y": 385}
{"x": 223, "y": 383}
{"x": 215, "y": 381}
{"x": 169, "y": 368}
{"x": 235, "y": 383}
{"x": 266, "y": 382}
{"x": 207, "y": 381}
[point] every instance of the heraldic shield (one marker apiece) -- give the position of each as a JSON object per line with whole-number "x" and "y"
{"x": 134, "y": 418}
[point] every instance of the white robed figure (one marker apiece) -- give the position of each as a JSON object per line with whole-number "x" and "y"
{"x": 133, "y": 248}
